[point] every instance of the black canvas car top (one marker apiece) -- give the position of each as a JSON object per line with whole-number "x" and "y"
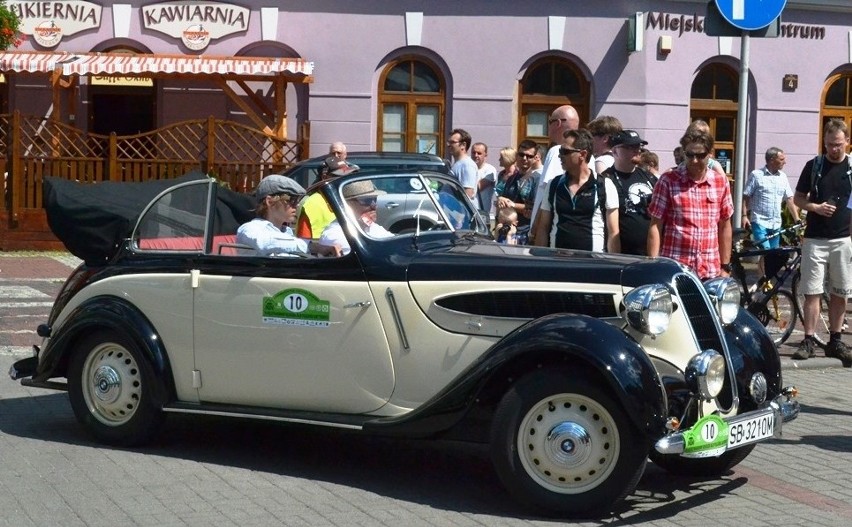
{"x": 93, "y": 220}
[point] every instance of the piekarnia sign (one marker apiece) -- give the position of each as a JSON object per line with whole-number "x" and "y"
{"x": 195, "y": 23}
{"x": 48, "y": 22}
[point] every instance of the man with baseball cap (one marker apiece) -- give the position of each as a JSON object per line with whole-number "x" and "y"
{"x": 314, "y": 213}
{"x": 269, "y": 233}
{"x": 362, "y": 199}
{"x": 635, "y": 187}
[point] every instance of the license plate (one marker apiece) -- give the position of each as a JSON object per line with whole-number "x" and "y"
{"x": 744, "y": 431}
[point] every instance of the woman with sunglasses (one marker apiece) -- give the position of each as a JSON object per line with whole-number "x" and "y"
{"x": 691, "y": 211}
{"x": 362, "y": 199}
{"x": 270, "y": 233}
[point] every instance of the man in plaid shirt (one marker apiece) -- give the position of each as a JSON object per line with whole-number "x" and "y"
{"x": 691, "y": 211}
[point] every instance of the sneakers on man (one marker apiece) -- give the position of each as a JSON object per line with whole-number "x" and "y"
{"x": 806, "y": 350}
{"x": 838, "y": 350}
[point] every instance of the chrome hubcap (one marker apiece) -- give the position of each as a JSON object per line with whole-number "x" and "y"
{"x": 568, "y": 444}
{"x": 107, "y": 384}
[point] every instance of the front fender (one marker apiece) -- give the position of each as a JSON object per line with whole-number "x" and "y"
{"x": 100, "y": 313}
{"x": 752, "y": 351}
{"x": 575, "y": 340}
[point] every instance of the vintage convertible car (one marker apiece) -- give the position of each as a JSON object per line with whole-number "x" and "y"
{"x": 573, "y": 367}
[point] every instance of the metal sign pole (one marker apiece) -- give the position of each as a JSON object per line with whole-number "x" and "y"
{"x": 742, "y": 118}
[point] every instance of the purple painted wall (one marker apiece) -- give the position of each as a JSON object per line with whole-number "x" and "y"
{"x": 483, "y": 48}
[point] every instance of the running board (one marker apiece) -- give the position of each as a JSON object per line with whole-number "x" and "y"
{"x": 271, "y": 414}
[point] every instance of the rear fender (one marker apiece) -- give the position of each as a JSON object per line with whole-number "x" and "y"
{"x": 108, "y": 312}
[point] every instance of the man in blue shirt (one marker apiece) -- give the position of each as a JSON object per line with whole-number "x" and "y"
{"x": 765, "y": 189}
{"x": 269, "y": 233}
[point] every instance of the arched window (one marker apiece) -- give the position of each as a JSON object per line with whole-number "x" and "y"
{"x": 714, "y": 97}
{"x": 836, "y": 102}
{"x": 411, "y": 107}
{"x": 547, "y": 84}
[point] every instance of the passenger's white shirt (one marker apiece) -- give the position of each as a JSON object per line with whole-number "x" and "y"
{"x": 333, "y": 235}
{"x": 269, "y": 240}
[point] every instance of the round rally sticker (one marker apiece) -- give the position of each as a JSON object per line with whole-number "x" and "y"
{"x": 707, "y": 438}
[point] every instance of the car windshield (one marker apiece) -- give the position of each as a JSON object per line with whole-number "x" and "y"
{"x": 410, "y": 204}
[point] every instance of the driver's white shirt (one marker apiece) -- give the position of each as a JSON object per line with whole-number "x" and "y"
{"x": 268, "y": 240}
{"x": 333, "y": 234}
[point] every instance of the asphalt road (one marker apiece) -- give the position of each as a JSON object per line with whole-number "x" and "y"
{"x": 206, "y": 471}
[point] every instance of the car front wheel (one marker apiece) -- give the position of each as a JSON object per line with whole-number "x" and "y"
{"x": 562, "y": 445}
{"x": 109, "y": 386}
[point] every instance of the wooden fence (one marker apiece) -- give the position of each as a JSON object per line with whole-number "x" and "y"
{"x": 34, "y": 147}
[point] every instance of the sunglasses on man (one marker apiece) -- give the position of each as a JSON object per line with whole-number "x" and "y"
{"x": 367, "y": 201}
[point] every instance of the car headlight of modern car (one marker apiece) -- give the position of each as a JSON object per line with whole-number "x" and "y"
{"x": 725, "y": 294}
{"x": 649, "y": 308}
{"x": 705, "y": 374}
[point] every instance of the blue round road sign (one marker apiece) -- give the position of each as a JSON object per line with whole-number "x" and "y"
{"x": 750, "y": 14}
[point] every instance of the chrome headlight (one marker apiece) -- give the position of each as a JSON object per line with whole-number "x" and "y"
{"x": 705, "y": 374}
{"x": 725, "y": 294}
{"x": 649, "y": 308}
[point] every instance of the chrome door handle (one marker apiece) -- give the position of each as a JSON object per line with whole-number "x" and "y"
{"x": 365, "y": 303}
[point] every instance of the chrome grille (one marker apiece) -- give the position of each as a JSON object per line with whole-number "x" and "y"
{"x": 701, "y": 314}
{"x": 702, "y": 318}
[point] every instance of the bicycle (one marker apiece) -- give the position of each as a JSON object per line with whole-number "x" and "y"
{"x": 774, "y": 306}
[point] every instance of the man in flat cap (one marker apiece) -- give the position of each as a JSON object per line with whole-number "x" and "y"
{"x": 269, "y": 233}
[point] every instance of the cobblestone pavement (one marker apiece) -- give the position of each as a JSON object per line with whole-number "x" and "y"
{"x": 205, "y": 471}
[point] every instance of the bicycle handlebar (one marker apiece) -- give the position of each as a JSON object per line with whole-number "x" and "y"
{"x": 797, "y": 227}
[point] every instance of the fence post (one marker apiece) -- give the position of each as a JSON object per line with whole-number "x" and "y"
{"x": 112, "y": 162}
{"x": 17, "y": 172}
{"x": 305, "y": 140}
{"x": 211, "y": 145}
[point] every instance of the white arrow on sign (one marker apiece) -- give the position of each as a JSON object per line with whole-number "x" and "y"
{"x": 738, "y": 10}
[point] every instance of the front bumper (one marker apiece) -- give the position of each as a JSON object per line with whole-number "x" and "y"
{"x": 783, "y": 409}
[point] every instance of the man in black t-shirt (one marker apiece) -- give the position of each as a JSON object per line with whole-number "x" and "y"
{"x": 635, "y": 186}
{"x": 823, "y": 191}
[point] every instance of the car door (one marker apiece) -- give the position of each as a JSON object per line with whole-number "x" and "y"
{"x": 290, "y": 333}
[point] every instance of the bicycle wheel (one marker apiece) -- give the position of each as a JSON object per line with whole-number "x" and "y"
{"x": 780, "y": 316}
{"x": 821, "y": 330}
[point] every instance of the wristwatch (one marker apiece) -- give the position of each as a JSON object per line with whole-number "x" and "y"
{"x": 726, "y": 267}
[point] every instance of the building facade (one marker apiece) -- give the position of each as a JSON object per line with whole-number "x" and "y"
{"x": 400, "y": 75}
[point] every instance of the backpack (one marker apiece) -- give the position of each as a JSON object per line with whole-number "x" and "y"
{"x": 816, "y": 173}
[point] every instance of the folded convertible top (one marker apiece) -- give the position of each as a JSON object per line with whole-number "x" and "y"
{"x": 93, "y": 219}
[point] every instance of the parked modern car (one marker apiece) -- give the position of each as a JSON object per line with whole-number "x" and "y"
{"x": 307, "y": 172}
{"x": 572, "y": 367}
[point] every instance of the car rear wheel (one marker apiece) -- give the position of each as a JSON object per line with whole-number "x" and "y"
{"x": 109, "y": 385}
{"x": 563, "y": 446}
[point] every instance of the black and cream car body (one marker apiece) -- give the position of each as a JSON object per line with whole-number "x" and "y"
{"x": 573, "y": 367}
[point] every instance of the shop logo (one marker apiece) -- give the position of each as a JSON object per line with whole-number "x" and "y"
{"x": 195, "y": 23}
{"x": 47, "y": 34}
{"x": 195, "y": 37}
